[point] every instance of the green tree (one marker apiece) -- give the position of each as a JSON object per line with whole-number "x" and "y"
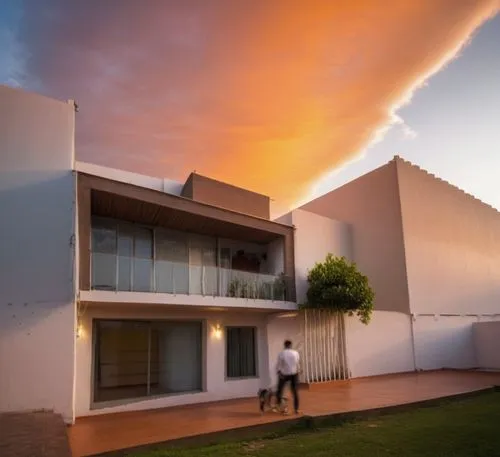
{"x": 337, "y": 284}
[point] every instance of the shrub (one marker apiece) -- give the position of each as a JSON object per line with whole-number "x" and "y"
{"x": 337, "y": 284}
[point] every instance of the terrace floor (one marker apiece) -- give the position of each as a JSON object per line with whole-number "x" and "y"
{"x": 112, "y": 432}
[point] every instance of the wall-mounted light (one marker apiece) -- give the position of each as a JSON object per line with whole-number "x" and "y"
{"x": 79, "y": 329}
{"x": 217, "y": 332}
{"x": 287, "y": 315}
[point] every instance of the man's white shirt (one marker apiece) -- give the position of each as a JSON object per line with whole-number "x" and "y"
{"x": 288, "y": 362}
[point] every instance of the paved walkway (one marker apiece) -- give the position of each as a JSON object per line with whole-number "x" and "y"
{"x": 41, "y": 434}
{"x": 98, "y": 434}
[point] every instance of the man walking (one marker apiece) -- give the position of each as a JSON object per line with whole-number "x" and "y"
{"x": 288, "y": 372}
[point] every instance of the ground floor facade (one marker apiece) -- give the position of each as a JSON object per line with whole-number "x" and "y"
{"x": 132, "y": 357}
{"x": 139, "y": 357}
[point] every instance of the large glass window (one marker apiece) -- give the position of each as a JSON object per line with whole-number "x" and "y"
{"x": 143, "y": 260}
{"x": 134, "y": 359}
{"x": 241, "y": 360}
{"x": 172, "y": 262}
{"x": 122, "y": 256}
{"x": 134, "y": 258}
{"x": 104, "y": 247}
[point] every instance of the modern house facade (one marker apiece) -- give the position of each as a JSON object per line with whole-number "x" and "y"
{"x": 122, "y": 292}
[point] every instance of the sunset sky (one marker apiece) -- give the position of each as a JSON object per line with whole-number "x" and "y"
{"x": 285, "y": 97}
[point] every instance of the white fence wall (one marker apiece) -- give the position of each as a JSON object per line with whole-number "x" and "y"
{"x": 381, "y": 347}
{"x": 487, "y": 344}
{"x": 444, "y": 342}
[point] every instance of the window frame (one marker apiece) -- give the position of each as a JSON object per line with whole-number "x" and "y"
{"x": 149, "y": 322}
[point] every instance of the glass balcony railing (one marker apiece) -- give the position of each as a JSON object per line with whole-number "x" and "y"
{"x": 119, "y": 273}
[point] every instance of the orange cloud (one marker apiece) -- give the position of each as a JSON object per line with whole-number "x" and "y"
{"x": 267, "y": 95}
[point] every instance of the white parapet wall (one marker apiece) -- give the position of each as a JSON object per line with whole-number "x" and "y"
{"x": 487, "y": 344}
{"x": 37, "y": 239}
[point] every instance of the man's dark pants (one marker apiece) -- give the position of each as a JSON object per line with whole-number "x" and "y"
{"x": 294, "y": 384}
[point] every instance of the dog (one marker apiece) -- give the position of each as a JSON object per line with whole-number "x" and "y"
{"x": 268, "y": 400}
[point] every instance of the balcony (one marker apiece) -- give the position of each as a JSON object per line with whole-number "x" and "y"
{"x": 132, "y": 274}
{"x": 154, "y": 264}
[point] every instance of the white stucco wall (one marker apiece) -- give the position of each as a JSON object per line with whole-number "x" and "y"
{"x": 444, "y": 342}
{"x": 487, "y": 344}
{"x": 315, "y": 237}
{"x": 452, "y": 246}
{"x": 217, "y": 386}
{"x": 381, "y": 347}
{"x": 370, "y": 205}
{"x": 37, "y": 203}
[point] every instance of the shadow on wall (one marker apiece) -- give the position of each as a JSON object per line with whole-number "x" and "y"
{"x": 36, "y": 251}
{"x": 37, "y": 237}
{"x": 37, "y": 309}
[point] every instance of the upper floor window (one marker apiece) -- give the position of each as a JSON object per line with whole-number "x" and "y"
{"x": 122, "y": 257}
{"x": 136, "y": 258}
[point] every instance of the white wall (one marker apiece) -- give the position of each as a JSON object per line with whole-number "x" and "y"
{"x": 168, "y": 186}
{"x": 381, "y": 347}
{"x": 315, "y": 237}
{"x": 37, "y": 229}
{"x": 487, "y": 344}
{"x": 217, "y": 387}
{"x": 452, "y": 246}
{"x": 444, "y": 342}
{"x": 370, "y": 205}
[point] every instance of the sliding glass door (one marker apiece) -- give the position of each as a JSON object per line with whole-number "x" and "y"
{"x": 135, "y": 359}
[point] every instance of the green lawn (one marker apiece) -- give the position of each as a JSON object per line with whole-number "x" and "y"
{"x": 467, "y": 428}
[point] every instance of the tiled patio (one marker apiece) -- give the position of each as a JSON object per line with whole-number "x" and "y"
{"x": 99, "y": 434}
{"x": 33, "y": 434}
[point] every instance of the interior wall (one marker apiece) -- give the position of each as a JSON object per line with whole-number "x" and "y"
{"x": 217, "y": 387}
{"x": 37, "y": 251}
{"x": 275, "y": 257}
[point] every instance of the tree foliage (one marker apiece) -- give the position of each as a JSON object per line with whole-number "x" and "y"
{"x": 337, "y": 284}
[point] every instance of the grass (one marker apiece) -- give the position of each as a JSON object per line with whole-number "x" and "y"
{"x": 466, "y": 428}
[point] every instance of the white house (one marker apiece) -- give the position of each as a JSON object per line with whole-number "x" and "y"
{"x": 122, "y": 292}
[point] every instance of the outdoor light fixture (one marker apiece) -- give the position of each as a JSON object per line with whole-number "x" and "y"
{"x": 287, "y": 315}
{"x": 79, "y": 329}
{"x": 217, "y": 332}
